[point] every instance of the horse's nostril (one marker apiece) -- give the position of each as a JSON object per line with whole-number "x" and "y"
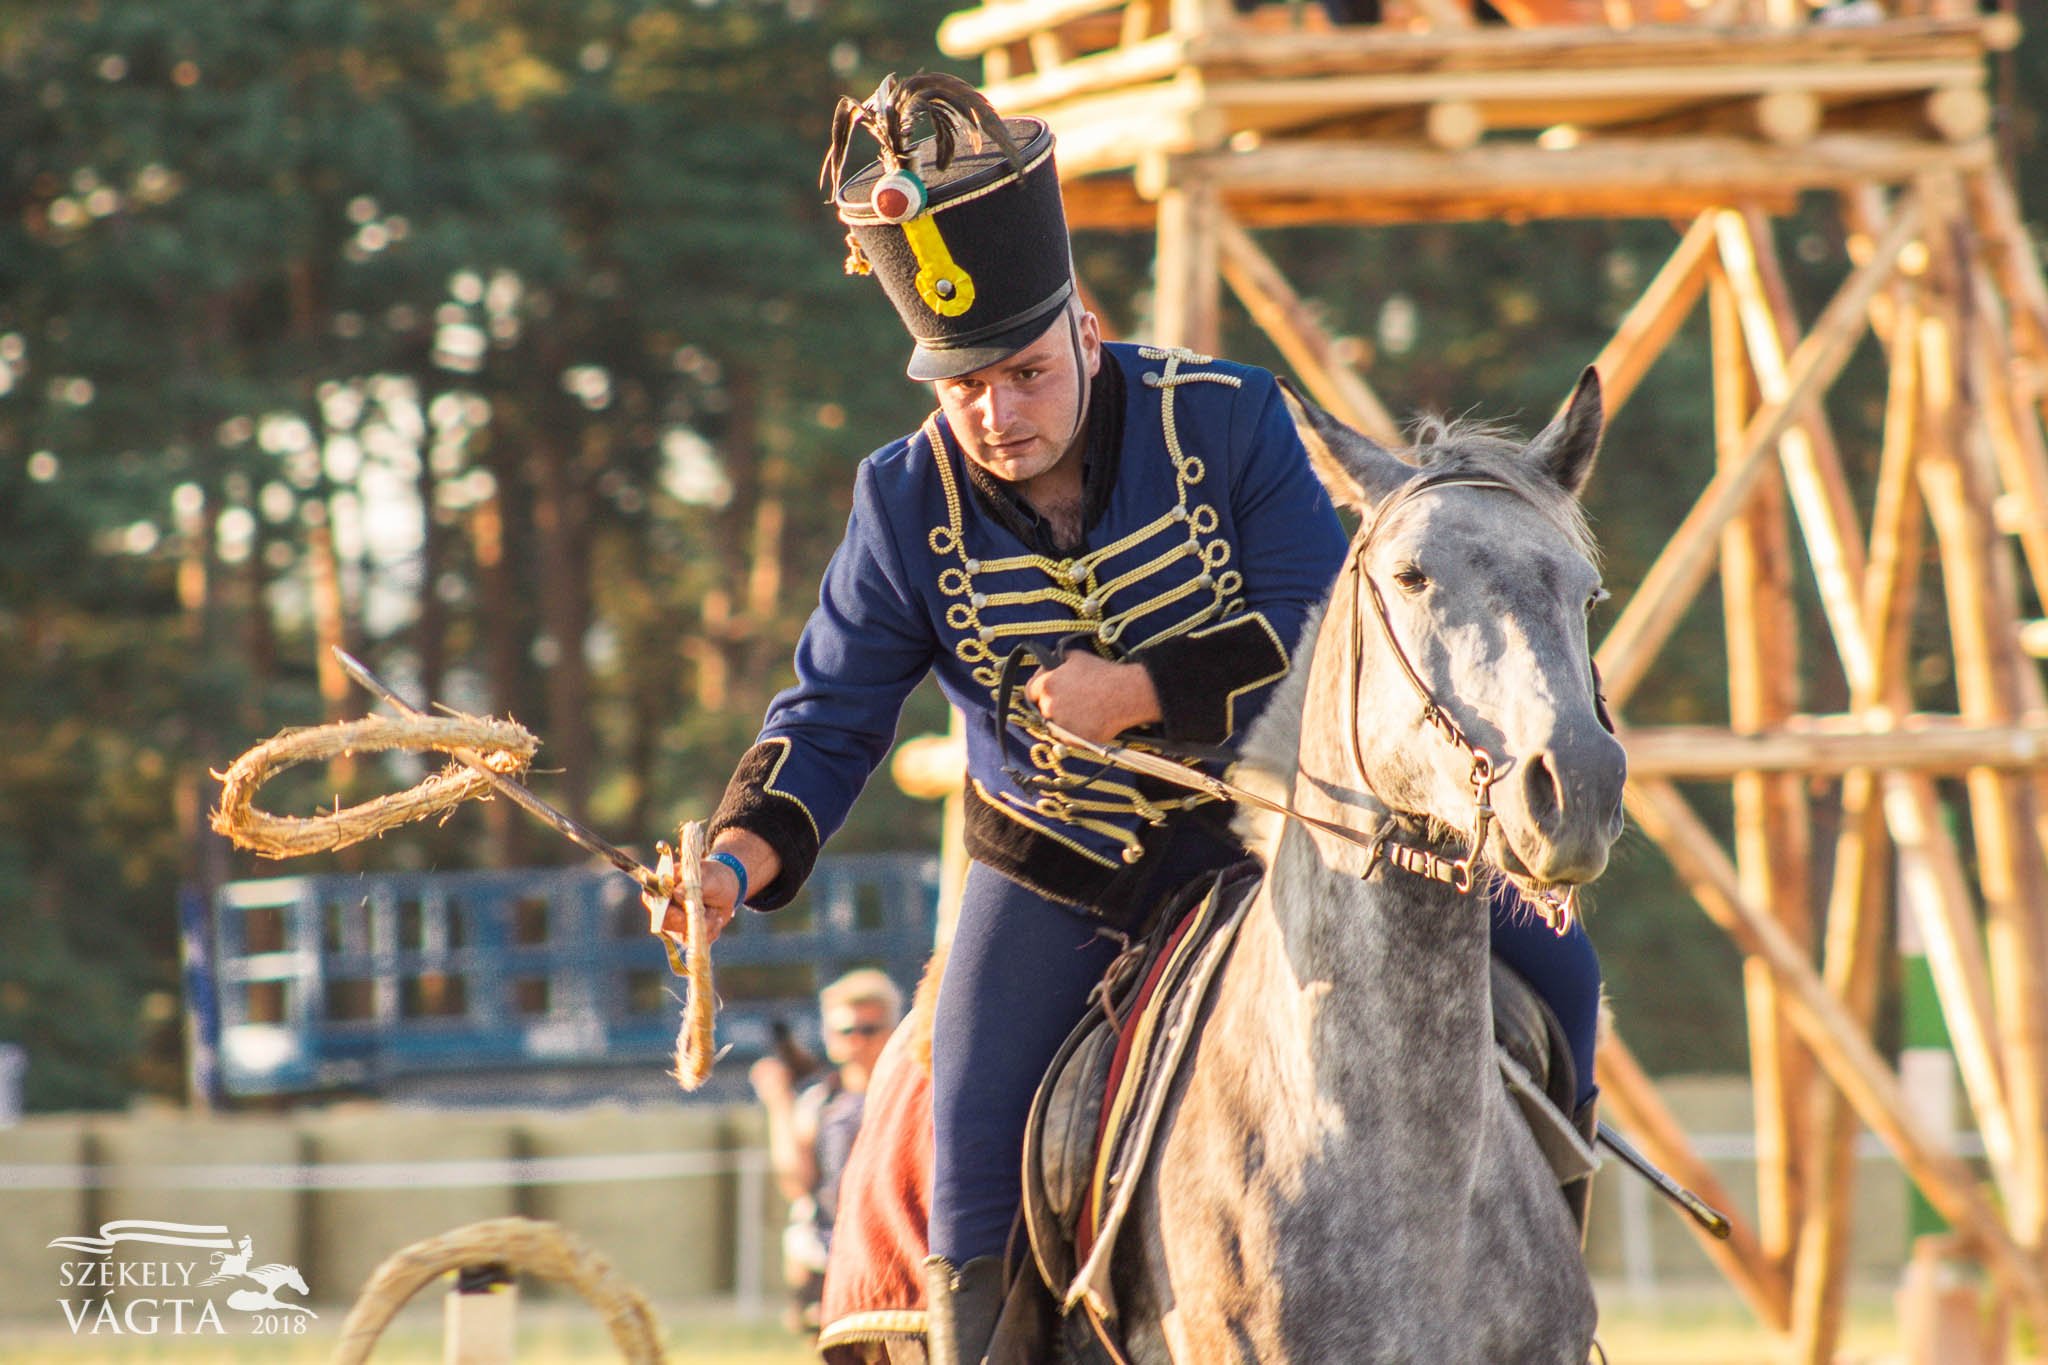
{"x": 1539, "y": 790}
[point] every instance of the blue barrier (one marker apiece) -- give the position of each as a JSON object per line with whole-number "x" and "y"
{"x": 354, "y": 982}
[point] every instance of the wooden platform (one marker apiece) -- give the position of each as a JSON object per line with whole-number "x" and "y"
{"x": 1294, "y": 121}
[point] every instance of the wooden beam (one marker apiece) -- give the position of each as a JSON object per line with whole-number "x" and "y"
{"x": 1828, "y": 746}
{"x": 1891, "y": 571}
{"x": 1855, "y": 921}
{"x": 1186, "y": 286}
{"x": 1996, "y": 215}
{"x": 1935, "y": 889}
{"x": 1308, "y": 348}
{"x": 1626, "y": 1090}
{"x": 1734, "y": 169}
{"x": 1048, "y": 53}
{"x": 1857, "y": 901}
{"x": 1454, "y": 125}
{"x": 2013, "y": 426}
{"x": 971, "y": 32}
{"x": 1194, "y": 17}
{"x": 1984, "y": 630}
{"x": 1119, "y": 69}
{"x": 1772, "y": 838}
{"x": 1443, "y": 15}
{"x": 1538, "y": 84}
{"x": 1137, "y": 23}
{"x": 1112, "y": 202}
{"x": 1653, "y": 611}
{"x": 1765, "y": 54}
{"x": 1811, "y": 463}
{"x": 1121, "y": 129}
{"x": 1960, "y": 112}
{"x": 1991, "y": 377}
{"x": 1847, "y": 1055}
{"x": 1655, "y": 317}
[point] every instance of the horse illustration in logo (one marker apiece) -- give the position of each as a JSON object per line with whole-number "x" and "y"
{"x": 235, "y": 1266}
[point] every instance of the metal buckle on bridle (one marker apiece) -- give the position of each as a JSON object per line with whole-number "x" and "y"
{"x": 1483, "y": 778}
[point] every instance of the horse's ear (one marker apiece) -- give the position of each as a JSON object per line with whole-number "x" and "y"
{"x": 1566, "y": 448}
{"x": 1356, "y": 470}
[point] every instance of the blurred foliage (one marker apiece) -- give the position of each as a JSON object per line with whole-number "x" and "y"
{"x": 507, "y": 343}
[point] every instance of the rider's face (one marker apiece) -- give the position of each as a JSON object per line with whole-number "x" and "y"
{"x": 1016, "y": 418}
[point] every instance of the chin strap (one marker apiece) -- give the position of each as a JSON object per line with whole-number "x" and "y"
{"x": 1081, "y": 378}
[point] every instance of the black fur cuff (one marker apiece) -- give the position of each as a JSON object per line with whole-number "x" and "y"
{"x": 780, "y": 820}
{"x": 1199, "y": 676}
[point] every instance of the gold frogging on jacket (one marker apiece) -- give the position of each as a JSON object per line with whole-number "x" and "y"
{"x": 1077, "y": 586}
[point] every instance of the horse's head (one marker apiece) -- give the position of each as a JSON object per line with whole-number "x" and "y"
{"x": 1468, "y": 587}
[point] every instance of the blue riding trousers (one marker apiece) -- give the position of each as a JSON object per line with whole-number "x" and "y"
{"x": 1016, "y": 983}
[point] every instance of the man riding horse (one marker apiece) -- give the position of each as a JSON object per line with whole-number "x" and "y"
{"x": 1147, "y": 519}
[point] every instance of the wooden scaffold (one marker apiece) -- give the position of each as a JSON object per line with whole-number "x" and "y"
{"x": 1199, "y": 123}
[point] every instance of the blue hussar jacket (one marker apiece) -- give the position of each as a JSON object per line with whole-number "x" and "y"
{"x": 1208, "y": 540}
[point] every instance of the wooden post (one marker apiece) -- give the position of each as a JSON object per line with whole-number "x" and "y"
{"x": 1857, "y": 907}
{"x": 480, "y": 1319}
{"x": 2012, "y": 425}
{"x": 1984, "y": 628}
{"x": 1187, "y": 298}
{"x": 1771, "y": 831}
{"x": 1811, "y": 462}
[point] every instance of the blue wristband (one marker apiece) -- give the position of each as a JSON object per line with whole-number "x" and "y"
{"x": 739, "y": 869}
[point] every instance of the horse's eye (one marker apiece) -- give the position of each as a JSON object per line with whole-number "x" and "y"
{"x": 1410, "y": 578}
{"x": 1599, "y": 595}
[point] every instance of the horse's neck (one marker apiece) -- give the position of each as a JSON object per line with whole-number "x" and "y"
{"x": 1399, "y": 966}
{"x": 1390, "y": 972}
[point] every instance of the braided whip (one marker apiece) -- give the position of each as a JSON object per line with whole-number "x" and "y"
{"x": 487, "y": 753}
{"x": 682, "y": 868}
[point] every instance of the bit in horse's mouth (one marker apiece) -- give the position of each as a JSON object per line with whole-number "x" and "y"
{"x": 1557, "y": 903}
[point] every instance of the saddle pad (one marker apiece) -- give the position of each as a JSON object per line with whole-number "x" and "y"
{"x": 1126, "y": 1064}
{"x": 874, "y": 1283}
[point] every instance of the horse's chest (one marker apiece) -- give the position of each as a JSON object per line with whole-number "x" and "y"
{"x": 1315, "y": 1242}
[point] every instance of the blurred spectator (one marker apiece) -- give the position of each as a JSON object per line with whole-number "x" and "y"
{"x": 811, "y": 1130}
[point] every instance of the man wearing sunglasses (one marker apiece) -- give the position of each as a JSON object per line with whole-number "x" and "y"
{"x": 812, "y": 1123}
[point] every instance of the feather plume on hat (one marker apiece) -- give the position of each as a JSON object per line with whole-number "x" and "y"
{"x": 956, "y": 110}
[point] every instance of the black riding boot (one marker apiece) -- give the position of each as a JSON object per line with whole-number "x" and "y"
{"x": 963, "y": 1304}
{"x": 1579, "y": 1194}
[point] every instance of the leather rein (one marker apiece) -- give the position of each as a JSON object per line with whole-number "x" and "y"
{"x": 1559, "y": 910}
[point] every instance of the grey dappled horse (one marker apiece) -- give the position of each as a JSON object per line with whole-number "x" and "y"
{"x": 1343, "y": 1175}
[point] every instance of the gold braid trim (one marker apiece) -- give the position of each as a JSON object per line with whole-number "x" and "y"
{"x": 1075, "y": 585}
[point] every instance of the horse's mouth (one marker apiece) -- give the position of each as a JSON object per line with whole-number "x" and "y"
{"x": 1555, "y": 903}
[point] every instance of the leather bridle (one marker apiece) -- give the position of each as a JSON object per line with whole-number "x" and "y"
{"x": 1484, "y": 773}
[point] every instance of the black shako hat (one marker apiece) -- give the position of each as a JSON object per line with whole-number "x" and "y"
{"x": 970, "y": 244}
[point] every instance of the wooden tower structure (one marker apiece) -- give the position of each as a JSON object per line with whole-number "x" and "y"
{"x": 1196, "y": 122}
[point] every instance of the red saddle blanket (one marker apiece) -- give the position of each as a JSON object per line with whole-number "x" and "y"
{"x": 874, "y": 1276}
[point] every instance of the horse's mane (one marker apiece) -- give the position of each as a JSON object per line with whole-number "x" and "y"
{"x": 1493, "y": 449}
{"x": 1271, "y": 752}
